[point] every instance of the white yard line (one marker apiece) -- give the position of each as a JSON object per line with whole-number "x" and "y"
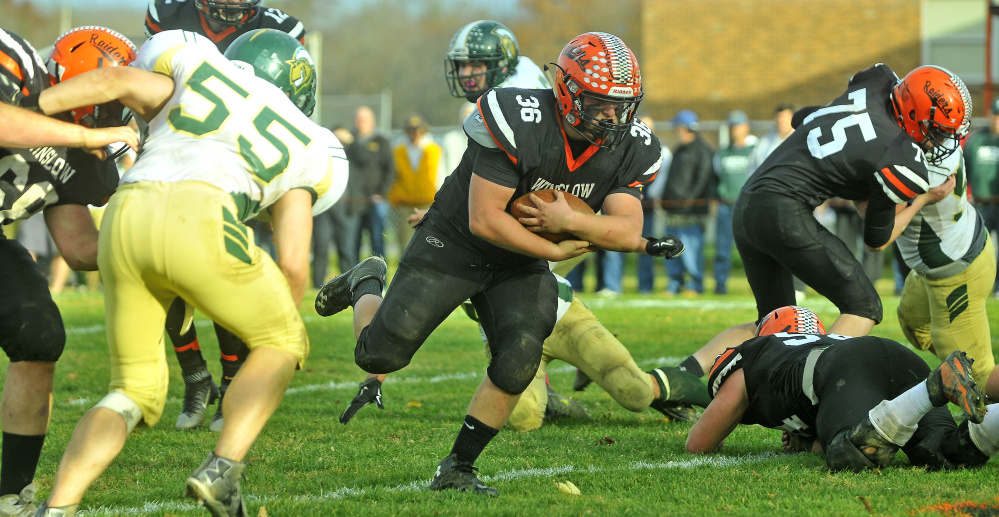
{"x": 712, "y": 461}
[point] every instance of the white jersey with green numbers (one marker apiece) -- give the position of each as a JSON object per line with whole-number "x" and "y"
{"x": 526, "y": 75}
{"x": 226, "y": 127}
{"x": 946, "y": 233}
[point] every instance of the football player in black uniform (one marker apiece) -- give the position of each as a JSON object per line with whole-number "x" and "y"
{"x": 59, "y": 182}
{"x": 222, "y": 21}
{"x": 870, "y": 145}
{"x": 581, "y": 138}
{"x": 858, "y": 399}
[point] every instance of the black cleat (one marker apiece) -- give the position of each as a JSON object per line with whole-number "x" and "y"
{"x": 559, "y": 407}
{"x": 198, "y": 395}
{"x": 456, "y": 475}
{"x": 338, "y": 293}
{"x": 674, "y": 411}
{"x": 581, "y": 381}
{"x": 876, "y": 448}
{"x": 215, "y": 484}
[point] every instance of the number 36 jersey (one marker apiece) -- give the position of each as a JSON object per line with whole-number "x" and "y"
{"x": 226, "y": 127}
{"x": 852, "y": 148}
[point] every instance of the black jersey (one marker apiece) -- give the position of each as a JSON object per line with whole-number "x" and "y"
{"x": 31, "y": 179}
{"x": 515, "y": 140}
{"x": 852, "y": 148}
{"x": 164, "y": 15}
{"x": 778, "y": 373}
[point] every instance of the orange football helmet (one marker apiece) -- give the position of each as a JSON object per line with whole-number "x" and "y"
{"x": 934, "y": 107}
{"x": 597, "y": 72}
{"x": 792, "y": 320}
{"x": 87, "y": 48}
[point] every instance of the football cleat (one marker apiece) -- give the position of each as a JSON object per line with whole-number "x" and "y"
{"x": 674, "y": 411}
{"x": 876, "y": 448}
{"x": 63, "y": 511}
{"x": 560, "y": 407}
{"x": 457, "y": 475}
{"x": 200, "y": 391}
{"x": 338, "y": 293}
{"x": 217, "y": 421}
{"x": 952, "y": 382}
{"x": 215, "y": 485}
{"x": 581, "y": 381}
{"x": 19, "y": 505}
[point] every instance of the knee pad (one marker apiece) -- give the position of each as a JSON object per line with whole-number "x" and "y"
{"x": 843, "y": 455}
{"x": 120, "y": 403}
{"x": 514, "y": 372}
{"x": 42, "y": 336}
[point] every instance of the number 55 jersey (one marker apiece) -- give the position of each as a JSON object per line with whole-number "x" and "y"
{"x": 227, "y": 127}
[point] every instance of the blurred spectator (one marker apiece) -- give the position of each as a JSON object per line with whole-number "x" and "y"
{"x": 370, "y": 156}
{"x": 689, "y": 186}
{"x": 731, "y": 165}
{"x": 981, "y": 154}
{"x": 646, "y": 263}
{"x": 455, "y": 141}
{"x": 419, "y": 166}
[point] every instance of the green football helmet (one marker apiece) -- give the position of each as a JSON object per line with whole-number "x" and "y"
{"x": 484, "y": 41}
{"x": 280, "y": 60}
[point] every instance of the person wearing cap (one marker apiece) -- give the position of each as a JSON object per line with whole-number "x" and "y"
{"x": 981, "y": 152}
{"x": 419, "y": 165}
{"x": 731, "y": 164}
{"x": 685, "y": 196}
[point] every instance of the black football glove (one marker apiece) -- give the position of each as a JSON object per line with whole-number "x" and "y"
{"x": 371, "y": 391}
{"x": 669, "y": 246}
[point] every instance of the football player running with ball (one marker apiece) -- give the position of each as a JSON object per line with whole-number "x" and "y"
{"x": 39, "y": 174}
{"x": 481, "y": 55}
{"x": 582, "y": 138}
{"x": 228, "y": 140}
{"x": 858, "y": 400}
{"x": 871, "y": 145}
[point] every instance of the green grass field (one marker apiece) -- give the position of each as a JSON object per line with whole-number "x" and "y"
{"x": 305, "y": 463}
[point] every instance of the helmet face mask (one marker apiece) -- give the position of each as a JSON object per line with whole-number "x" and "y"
{"x": 88, "y": 48}
{"x": 599, "y": 86}
{"x": 281, "y": 60}
{"x": 229, "y": 13}
{"x": 484, "y": 43}
{"x": 933, "y": 106}
{"x": 790, "y": 320}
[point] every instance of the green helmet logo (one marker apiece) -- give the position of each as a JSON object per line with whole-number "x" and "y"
{"x": 280, "y": 60}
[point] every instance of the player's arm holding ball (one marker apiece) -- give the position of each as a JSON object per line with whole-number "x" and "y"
{"x": 489, "y": 220}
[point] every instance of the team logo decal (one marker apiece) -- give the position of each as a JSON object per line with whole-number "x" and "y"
{"x": 434, "y": 241}
{"x": 939, "y": 100}
{"x": 508, "y": 45}
{"x": 301, "y": 75}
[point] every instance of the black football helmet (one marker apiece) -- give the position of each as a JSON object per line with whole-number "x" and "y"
{"x": 484, "y": 41}
{"x": 229, "y": 13}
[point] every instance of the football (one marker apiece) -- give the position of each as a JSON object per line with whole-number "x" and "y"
{"x": 548, "y": 195}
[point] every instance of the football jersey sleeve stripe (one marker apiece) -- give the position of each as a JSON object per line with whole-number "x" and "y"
{"x": 497, "y": 115}
{"x": 482, "y": 113}
{"x": 894, "y": 186}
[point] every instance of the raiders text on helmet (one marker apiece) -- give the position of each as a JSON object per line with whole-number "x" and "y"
{"x": 934, "y": 107}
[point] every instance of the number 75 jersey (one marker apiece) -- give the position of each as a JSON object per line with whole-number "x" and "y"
{"x": 851, "y": 148}
{"x": 227, "y": 127}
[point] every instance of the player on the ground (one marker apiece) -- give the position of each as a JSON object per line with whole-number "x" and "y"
{"x": 952, "y": 261}
{"x": 857, "y": 399}
{"x": 222, "y": 21}
{"x": 39, "y": 174}
{"x": 870, "y": 145}
{"x": 583, "y": 138}
{"x": 227, "y": 141}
